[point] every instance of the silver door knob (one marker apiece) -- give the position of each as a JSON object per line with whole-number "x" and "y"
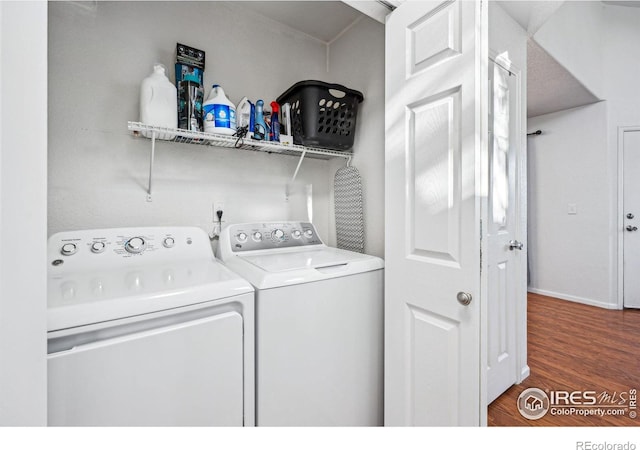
{"x": 630, "y": 216}
{"x": 630, "y": 228}
{"x": 464, "y": 298}
{"x": 513, "y": 244}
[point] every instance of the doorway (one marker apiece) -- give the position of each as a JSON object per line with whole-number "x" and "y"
{"x": 628, "y": 217}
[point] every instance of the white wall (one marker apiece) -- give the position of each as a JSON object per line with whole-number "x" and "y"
{"x": 618, "y": 34}
{"x": 363, "y": 70}
{"x": 573, "y": 36}
{"x": 23, "y": 225}
{"x": 621, "y": 68}
{"x": 570, "y": 255}
{"x": 98, "y": 171}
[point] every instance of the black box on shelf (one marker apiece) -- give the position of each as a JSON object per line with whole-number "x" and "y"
{"x": 189, "y": 82}
{"x": 190, "y": 56}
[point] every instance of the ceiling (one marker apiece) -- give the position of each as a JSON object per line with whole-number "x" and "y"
{"x": 322, "y": 20}
{"x": 531, "y": 15}
{"x": 550, "y": 86}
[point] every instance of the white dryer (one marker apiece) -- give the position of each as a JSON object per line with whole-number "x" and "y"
{"x": 319, "y": 325}
{"x": 146, "y": 328}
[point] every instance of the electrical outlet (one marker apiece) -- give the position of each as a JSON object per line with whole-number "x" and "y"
{"x": 218, "y": 205}
{"x": 572, "y": 209}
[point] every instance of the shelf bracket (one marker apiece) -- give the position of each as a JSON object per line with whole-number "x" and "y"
{"x": 153, "y": 152}
{"x": 295, "y": 174}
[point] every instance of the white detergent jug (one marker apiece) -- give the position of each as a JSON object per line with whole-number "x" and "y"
{"x": 159, "y": 102}
{"x": 219, "y": 113}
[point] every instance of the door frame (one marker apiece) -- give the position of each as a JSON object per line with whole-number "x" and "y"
{"x": 620, "y": 221}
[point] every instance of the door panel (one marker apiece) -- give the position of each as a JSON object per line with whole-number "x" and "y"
{"x": 435, "y": 369}
{"x": 435, "y": 159}
{"x": 433, "y": 173}
{"x": 434, "y": 38}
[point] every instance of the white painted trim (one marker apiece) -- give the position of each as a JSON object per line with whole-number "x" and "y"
{"x": 574, "y": 298}
{"x": 521, "y": 219}
{"x": 481, "y": 187}
{"x": 619, "y": 230}
{"x": 23, "y": 211}
{"x": 373, "y": 9}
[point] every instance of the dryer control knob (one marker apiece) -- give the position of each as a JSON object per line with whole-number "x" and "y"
{"x": 169, "y": 242}
{"x": 242, "y": 237}
{"x": 257, "y": 236}
{"x": 308, "y": 233}
{"x": 278, "y": 234}
{"x": 98, "y": 247}
{"x": 68, "y": 249}
{"x": 296, "y": 234}
{"x": 135, "y": 245}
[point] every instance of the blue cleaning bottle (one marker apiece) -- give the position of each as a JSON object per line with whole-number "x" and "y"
{"x": 260, "y": 131}
{"x": 252, "y": 117}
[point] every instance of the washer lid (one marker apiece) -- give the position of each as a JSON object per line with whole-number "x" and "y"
{"x": 272, "y": 269}
{"x": 306, "y": 259}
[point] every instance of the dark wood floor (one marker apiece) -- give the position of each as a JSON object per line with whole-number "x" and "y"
{"x": 575, "y": 347}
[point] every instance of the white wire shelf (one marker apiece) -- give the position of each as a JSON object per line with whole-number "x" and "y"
{"x": 219, "y": 140}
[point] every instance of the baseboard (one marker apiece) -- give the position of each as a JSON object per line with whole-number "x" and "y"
{"x": 573, "y": 298}
{"x": 524, "y": 374}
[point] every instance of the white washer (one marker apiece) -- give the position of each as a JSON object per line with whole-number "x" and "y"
{"x": 319, "y": 325}
{"x": 146, "y": 328}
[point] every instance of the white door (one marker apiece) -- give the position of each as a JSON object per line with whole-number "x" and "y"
{"x": 631, "y": 211}
{"x": 502, "y": 246}
{"x": 506, "y": 222}
{"x": 435, "y": 177}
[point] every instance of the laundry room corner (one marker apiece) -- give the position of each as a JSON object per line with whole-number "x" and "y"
{"x": 98, "y": 171}
{"x": 347, "y": 67}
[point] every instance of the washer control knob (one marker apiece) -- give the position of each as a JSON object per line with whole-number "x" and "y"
{"x": 68, "y": 249}
{"x": 98, "y": 247}
{"x": 308, "y": 234}
{"x": 257, "y": 236}
{"x": 169, "y": 242}
{"x": 296, "y": 234}
{"x": 135, "y": 245}
{"x": 242, "y": 237}
{"x": 278, "y": 234}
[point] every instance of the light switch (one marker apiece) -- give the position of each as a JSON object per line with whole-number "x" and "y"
{"x": 572, "y": 208}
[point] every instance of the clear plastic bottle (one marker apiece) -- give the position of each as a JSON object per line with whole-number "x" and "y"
{"x": 158, "y": 102}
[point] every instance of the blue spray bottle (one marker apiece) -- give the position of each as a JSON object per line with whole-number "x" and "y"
{"x": 260, "y": 131}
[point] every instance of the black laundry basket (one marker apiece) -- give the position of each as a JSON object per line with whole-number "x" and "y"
{"x": 322, "y": 114}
